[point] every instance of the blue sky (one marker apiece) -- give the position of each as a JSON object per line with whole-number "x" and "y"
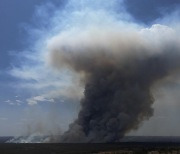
{"x": 26, "y": 97}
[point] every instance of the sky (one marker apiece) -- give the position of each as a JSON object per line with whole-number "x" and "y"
{"x": 33, "y": 96}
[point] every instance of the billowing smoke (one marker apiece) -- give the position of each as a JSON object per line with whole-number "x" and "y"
{"x": 118, "y": 67}
{"x": 114, "y": 60}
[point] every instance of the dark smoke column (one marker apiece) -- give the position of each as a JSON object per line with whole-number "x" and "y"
{"x": 113, "y": 104}
{"x": 118, "y": 80}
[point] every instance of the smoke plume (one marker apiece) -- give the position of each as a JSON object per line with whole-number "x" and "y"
{"x": 118, "y": 67}
{"x": 111, "y": 61}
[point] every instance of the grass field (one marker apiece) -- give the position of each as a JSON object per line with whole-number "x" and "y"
{"x": 98, "y": 148}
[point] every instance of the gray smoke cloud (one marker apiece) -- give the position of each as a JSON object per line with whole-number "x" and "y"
{"x": 118, "y": 66}
{"x": 95, "y": 53}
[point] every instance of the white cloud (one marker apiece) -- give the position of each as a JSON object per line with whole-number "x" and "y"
{"x": 18, "y": 101}
{"x": 36, "y": 99}
{"x": 14, "y": 102}
{"x": 7, "y": 101}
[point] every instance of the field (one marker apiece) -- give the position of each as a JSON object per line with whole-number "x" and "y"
{"x": 94, "y": 148}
